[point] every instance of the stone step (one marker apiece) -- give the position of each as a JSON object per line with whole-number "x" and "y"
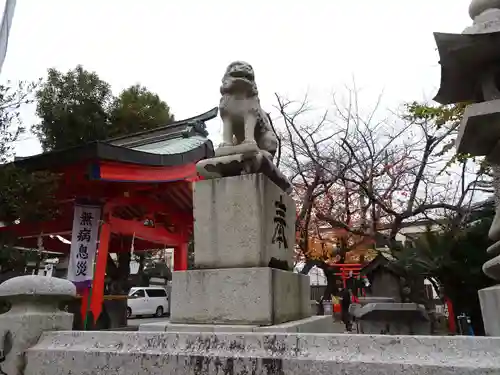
{"x": 139, "y": 353}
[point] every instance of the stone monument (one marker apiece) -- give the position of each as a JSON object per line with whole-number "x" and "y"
{"x": 470, "y": 72}
{"x": 244, "y": 230}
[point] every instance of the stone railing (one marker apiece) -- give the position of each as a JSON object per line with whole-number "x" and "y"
{"x": 195, "y": 353}
{"x": 34, "y": 309}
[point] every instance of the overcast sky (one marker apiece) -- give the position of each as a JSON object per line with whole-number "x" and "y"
{"x": 180, "y": 49}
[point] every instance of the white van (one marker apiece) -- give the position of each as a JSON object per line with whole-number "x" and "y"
{"x": 147, "y": 301}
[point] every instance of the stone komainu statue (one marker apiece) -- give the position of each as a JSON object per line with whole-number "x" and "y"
{"x": 244, "y": 120}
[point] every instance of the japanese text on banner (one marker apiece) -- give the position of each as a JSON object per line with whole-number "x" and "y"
{"x": 83, "y": 243}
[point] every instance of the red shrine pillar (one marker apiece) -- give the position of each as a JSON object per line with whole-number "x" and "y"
{"x": 97, "y": 296}
{"x": 181, "y": 257}
{"x": 452, "y": 327}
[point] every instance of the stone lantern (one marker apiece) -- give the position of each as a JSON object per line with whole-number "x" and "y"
{"x": 470, "y": 72}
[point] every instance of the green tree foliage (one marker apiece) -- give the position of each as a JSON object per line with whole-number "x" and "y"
{"x": 454, "y": 259}
{"x": 443, "y": 115}
{"x": 12, "y": 98}
{"x": 447, "y": 117}
{"x": 78, "y": 107}
{"x": 25, "y": 196}
{"x": 137, "y": 109}
{"x": 73, "y": 107}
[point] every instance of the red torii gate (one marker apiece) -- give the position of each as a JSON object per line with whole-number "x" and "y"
{"x": 345, "y": 269}
{"x": 147, "y": 176}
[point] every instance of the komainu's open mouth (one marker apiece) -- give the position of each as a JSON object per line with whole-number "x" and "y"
{"x": 242, "y": 74}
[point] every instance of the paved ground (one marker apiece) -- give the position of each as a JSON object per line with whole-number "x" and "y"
{"x": 134, "y": 322}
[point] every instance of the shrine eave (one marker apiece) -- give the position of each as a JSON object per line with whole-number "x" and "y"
{"x": 103, "y": 151}
{"x": 462, "y": 58}
{"x": 186, "y": 128}
{"x": 179, "y": 143}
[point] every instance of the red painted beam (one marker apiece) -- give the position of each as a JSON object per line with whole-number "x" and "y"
{"x": 140, "y": 173}
{"x": 150, "y": 204}
{"x": 155, "y": 235}
{"x": 153, "y": 206}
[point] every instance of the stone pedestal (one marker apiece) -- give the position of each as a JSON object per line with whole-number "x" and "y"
{"x": 244, "y": 241}
{"x": 242, "y": 221}
{"x": 254, "y": 296}
{"x": 34, "y": 301}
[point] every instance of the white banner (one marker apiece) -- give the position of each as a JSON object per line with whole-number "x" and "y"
{"x": 83, "y": 243}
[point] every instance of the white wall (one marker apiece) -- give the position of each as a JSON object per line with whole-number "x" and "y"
{"x": 316, "y": 275}
{"x": 45, "y": 270}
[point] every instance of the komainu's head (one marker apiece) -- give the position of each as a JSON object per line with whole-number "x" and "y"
{"x": 239, "y": 78}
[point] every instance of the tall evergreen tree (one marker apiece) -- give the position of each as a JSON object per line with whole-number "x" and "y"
{"x": 77, "y": 107}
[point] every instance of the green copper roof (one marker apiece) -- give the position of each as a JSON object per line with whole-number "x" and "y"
{"x": 173, "y": 145}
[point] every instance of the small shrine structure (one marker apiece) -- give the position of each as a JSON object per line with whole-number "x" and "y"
{"x": 142, "y": 184}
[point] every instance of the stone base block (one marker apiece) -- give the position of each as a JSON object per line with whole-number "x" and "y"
{"x": 159, "y": 353}
{"x": 314, "y": 324}
{"x": 167, "y": 326}
{"x": 243, "y": 221}
{"x": 393, "y": 319}
{"x": 248, "y": 296}
{"x": 489, "y": 299}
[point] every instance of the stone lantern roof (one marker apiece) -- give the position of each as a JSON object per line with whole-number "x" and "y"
{"x": 464, "y": 57}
